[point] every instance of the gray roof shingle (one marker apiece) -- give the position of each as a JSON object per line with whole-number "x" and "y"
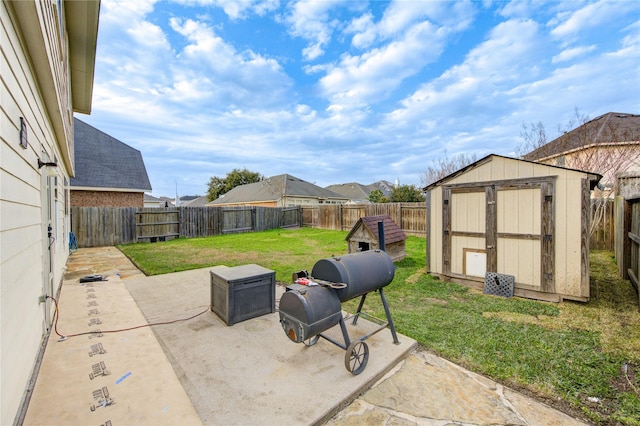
{"x": 273, "y": 189}
{"x": 102, "y": 161}
{"x": 609, "y": 128}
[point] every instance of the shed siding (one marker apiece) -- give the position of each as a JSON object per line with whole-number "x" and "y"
{"x": 23, "y": 199}
{"x": 521, "y": 242}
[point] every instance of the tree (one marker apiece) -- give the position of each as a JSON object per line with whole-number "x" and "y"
{"x": 377, "y": 196}
{"x": 406, "y": 194}
{"x": 218, "y": 186}
{"x": 534, "y": 136}
{"x": 444, "y": 166}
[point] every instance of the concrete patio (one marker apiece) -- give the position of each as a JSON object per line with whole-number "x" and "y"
{"x": 201, "y": 371}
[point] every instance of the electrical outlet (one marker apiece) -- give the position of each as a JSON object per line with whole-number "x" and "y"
{"x": 42, "y": 299}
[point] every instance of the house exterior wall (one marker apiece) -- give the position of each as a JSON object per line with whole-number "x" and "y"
{"x": 519, "y": 241}
{"x": 35, "y": 84}
{"x": 607, "y": 160}
{"x": 107, "y": 199}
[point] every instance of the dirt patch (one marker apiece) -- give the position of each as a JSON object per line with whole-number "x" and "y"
{"x": 415, "y": 277}
{"x": 628, "y": 379}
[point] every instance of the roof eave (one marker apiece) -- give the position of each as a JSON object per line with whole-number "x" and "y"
{"x": 82, "y": 29}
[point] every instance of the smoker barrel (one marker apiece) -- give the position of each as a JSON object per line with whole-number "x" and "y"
{"x": 306, "y": 312}
{"x": 362, "y": 272}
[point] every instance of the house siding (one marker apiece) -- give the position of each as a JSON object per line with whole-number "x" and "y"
{"x": 35, "y": 85}
{"x": 107, "y": 199}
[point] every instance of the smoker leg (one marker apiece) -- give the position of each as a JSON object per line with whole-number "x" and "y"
{"x": 345, "y": 334}
{"x": 386, "y": 310}
{"x": 355, "y": 317}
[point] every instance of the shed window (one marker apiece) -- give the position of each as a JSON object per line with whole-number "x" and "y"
{"x": 362, "y": 246}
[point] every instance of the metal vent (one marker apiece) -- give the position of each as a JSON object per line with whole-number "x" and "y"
{"x": 499, "y": 284}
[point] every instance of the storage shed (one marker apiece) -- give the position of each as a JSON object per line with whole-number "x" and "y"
{"x": 364, "y": 236}
{"x": 512, "y": 217}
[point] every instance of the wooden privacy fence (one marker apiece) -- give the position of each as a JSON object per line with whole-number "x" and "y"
{"x": 627, "y": 241}
{"x": 410, "y": 217}
{"x": 602, "y": 224}
{"x": 108, "y": 226}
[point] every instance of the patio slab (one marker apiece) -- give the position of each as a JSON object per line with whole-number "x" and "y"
{"x": 251, "y": 373}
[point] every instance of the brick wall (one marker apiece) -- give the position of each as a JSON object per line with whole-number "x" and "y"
{"x": 106, "y": 199}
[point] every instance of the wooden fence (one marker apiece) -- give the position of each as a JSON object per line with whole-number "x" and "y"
{"x": 105, "y": 226}
{"x": 602, "y": 221}
{"x": 410, "y": 217}
{"x": 108, "y": 226}
{"x": 627, "y": 240}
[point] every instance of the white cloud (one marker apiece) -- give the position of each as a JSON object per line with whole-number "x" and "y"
{"x": 570, "y": 54}
{"x": 148, "y": 35}
{"x": 237, "y": 9}
{"x": 237, "y": 76}
{"x": 124, "y": 12}
{"x": 480, "y": 78}
{"x": 568, "y": 25}
{"x": 369, "y": 78}
{"x": 311, "y": 21}
{"x": 403, "y": 15}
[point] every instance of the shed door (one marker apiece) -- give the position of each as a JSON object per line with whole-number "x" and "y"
{"x": 509, "y": 222}
{"x": 518, "y": 235}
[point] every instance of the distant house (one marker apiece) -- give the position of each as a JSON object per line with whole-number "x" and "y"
{"x": 109, "y": 173}
{"x": 365, "y": 236}
{"x": 194, "y": 202}
{"x": 47, "y": 62}
{"x": 608, "y": 145}
{"x": 279, "y": 191}
{"x": 151, "y": 201}
{"x": 358, "y": 193}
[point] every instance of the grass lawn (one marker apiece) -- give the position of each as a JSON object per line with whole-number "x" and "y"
{"x": 581, "y": 358}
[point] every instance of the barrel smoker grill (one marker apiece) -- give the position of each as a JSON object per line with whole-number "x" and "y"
{"x": 306, "y": 311}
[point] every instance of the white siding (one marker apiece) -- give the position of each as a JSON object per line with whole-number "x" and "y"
{"x": 23, "y": 239}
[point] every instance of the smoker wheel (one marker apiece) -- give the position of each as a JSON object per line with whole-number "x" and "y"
{"x": 312, "y": 341}
{"x": 355, "y": 360}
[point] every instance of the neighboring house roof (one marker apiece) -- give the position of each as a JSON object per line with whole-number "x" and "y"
{"x": 359, "y": 193}
{"x": 353, "y": 191}
{"x": 103, "y": 162}
{"x": 148, "y": 198}
{"x": 593, "y": 177}
{"x": 392, "y": 233}
{"x": 609, "y": 128}
{"x": 196, "y": 202}
{"x": 276, "y": 188}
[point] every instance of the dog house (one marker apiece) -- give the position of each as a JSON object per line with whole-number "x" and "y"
{"x": 364, "y": 236}
{"x": 514, "y": 217}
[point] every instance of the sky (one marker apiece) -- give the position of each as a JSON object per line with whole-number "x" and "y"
{"x": 351, "y": 91}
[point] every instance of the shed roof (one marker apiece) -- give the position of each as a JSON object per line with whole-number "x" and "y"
{"x": 593, "y": 177}
{"x": 609, "y": 128}
{"x": 275, "y": 188}
{"x": 392, "y": 233}
{"x": 103, "y": 161}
